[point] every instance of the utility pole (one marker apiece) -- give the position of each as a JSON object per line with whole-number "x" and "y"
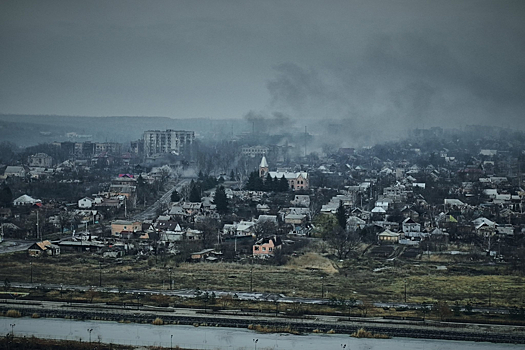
{"x": 251, "y": 278}
{"x": 37, "y": 236}
{"x": 100, "y": 274}
{"x": 31, "y": 265}
{"x": 405, "y": 291}
{"x": 490, "y": 293}
{"x": 90, "y": 330}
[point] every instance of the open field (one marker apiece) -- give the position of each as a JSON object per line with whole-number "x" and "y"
{"x": 309, "y": 275}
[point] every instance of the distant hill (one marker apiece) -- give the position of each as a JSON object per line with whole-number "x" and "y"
{"x": 28, "y": 130}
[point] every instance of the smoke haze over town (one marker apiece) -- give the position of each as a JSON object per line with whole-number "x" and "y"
{"x": 375, "y": 67}
{"x": 262, "y": 172}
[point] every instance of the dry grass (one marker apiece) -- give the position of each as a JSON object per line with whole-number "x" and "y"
{"x": 313, "y": 261}
{"x": 305, "y": 276}
{"x": 268, "y": 329}
{"x": 363, "y": 333}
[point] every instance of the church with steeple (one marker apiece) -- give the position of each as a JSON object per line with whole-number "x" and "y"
{"x": 296, "y": 180}
{"x": 263, "y": 168}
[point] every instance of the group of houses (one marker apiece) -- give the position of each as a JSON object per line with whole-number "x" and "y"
{"x": 414, "y": 198}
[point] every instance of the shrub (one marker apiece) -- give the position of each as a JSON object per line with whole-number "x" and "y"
{"x": 158, "y": 321}
{"x": 363, "y": 333}
{"x": 13, "y": 313}
{"x": 35, "y": 315}
{"x": 270, "y": 329}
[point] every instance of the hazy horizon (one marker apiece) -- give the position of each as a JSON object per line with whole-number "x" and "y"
{"x": 379, "y": 64}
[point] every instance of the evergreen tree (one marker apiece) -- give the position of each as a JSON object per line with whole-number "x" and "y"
{"x": 284, "y": 186}
{"x": 220, "y": 200}
{"x": 341, "y": 215}
{"x": 140, "y": 181}
{"x": 250, "y": 184}
{"x": 195, "y": 193}
{"x": 232, "y": 176}
{"x": 6, "y": 196}
{"x": 254, "y": 183}
{"x": 268, "y": 183}
{"x": 175, "y": 196}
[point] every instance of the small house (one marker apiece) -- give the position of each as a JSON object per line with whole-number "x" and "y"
{"x": 266, "y": 247}
{"x": 206, "y": 254}
{"x": 43, "y": 248}
{"x": 25, "y": 200}
{"x": 388, "y": 236}
{"x": 119, "y": 226}
{"x": 85, "y": 203}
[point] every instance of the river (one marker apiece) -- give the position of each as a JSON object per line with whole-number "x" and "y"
{"x": 217, "y": 337}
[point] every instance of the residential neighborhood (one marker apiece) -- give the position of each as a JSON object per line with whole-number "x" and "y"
{"x": 406, "y": 195}
{"x": 442, "y": 204}
{"x": 262, "y": 174}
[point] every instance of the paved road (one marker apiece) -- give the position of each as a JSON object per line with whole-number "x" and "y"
{"x": 151, "y": 212}
{"x": 14, "y": 245}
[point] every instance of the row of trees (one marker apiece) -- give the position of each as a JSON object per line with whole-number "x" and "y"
{"x": 269, "y": 184}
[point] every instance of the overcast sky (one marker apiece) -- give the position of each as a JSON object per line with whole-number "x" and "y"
{"x": 386, "y": 63}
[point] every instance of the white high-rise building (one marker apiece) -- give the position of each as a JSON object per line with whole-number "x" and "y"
{"x": 169, "y": 141}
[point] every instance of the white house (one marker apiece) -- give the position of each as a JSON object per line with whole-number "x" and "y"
{"x": 388, "y": 236}
{"x": 17, "y": 171}
{"x": 25, "y": 200}
{"x": 85, "y": 203}
{"x": 383, "y": 203}
{"x": 410, "y": 225}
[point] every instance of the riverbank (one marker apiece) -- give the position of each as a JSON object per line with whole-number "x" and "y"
{"x": 239, "y": 319}
{"x": 24, "y": 343}
{"x": 149, "y": 336}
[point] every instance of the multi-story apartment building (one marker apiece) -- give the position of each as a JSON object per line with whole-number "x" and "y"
{"x": 88, "y": 148}
{"x": 84, "y": 148}
{"x": 40, "y": 160}
{"x": 169, "y": 141}
{"x": 255, "y": 151}
{"x": 110, "y": 147}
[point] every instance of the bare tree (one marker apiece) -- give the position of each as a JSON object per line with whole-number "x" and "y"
{"x": 343, "y": 242}
{"x": 442, "y": 309}
{"x": 265, "y": 228}
{"x": 209, "y": 228}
